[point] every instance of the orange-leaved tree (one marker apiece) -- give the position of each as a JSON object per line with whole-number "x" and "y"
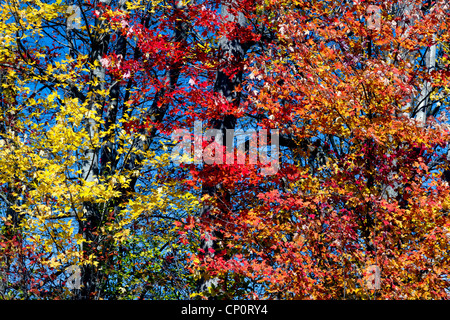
{"x": 357, "y": 207}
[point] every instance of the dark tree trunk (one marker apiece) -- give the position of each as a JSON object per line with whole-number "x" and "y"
{"x": 233, "y": 52}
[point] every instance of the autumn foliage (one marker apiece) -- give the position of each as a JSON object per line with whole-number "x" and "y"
{"x": 88, "y": 177}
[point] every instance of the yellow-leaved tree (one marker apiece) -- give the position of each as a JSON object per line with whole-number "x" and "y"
{"x": 87, "y": 204}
